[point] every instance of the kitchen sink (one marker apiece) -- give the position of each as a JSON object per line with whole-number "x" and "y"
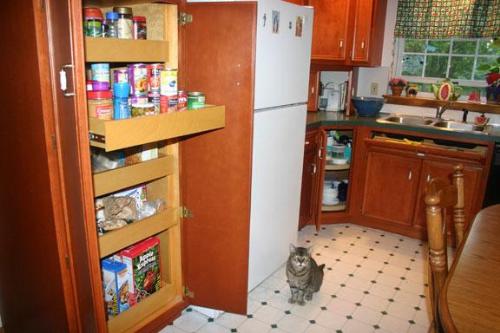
{"x": 448, "y": 125}
{"x": 409, "y": 120}
{"x": 457, "y": 126}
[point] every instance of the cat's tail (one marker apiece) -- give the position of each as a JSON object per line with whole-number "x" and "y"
{"x": 321, "y": 267}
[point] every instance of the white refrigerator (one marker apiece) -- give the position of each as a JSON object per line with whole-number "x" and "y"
{"x": 283, "y": 50}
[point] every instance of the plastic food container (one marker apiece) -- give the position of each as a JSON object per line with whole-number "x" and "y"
{"x": 93, "y": 22}
{"x": 100, "y": 104}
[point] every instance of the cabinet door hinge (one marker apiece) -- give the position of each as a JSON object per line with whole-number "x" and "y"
{"x": 185, "y": 18}
{"x": 188, "y": 293}
{"x": 186, "y": 213}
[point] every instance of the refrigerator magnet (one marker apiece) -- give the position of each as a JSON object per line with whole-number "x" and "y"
{"x": 276, "y": 21}
{"x": 299, "y": 23}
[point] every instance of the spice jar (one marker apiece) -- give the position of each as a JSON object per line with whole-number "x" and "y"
{"x": 124, "y": 22}
{"x": 139, "y": 27}
{"x": 100, "y": 104}
{"x": 111, "y": 28}
{"x": 93, "y": 22}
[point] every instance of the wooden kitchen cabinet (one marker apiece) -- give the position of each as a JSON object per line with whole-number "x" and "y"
{"x": 391, "y": 187}
{"x": 348, "y": 32}
{"x": 310, "y": 179}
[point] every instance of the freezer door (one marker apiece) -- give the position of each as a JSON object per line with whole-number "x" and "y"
{"x": 283, "y": 53}
{"x": 278, "y": 151}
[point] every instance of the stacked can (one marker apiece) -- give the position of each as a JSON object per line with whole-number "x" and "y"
{"x": 168, "y": 90}
{"x": 154, "y": 80}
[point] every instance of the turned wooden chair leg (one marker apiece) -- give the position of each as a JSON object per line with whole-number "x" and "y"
{"x": 458, "y": 209}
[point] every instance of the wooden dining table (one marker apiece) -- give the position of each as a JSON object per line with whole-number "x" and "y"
{"x": 470, "y": 300}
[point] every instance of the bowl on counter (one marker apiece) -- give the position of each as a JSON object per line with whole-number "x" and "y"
{"x": 368, "y": 106}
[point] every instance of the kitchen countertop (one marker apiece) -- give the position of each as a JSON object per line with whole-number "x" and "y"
{"x": 318, "y": 119}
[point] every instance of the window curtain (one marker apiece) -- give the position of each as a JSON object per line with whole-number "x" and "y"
{"x": 448, "y": 18}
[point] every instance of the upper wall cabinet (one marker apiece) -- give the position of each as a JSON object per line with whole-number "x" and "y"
{"x": 348, "y": 32}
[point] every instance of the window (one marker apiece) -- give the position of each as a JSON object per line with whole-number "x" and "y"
{"x": 426, "y": 61}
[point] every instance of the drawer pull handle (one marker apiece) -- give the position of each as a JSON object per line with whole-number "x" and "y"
{"x": 363, "y": 45}
{"x": 314, "y": 169}
{"x": 420, "y": 154}
{"x": 63, "y": 82}
{"x": 341, "y": 43}
{"x": 428, "y": 178}
{"x": 410, "y": 174}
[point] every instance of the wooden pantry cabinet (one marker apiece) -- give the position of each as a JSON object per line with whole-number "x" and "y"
{"x": 348, "y": 32}
{"x": 202, "y": 172}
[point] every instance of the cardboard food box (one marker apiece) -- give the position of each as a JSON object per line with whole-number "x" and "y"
{"x": 116, "y": 286}
{"x": 143, "y": 266}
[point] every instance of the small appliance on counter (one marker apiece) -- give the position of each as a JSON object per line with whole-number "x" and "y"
{"x": 333, "y": 96}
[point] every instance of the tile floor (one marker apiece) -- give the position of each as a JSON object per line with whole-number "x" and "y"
{"x": 375, "y": 281}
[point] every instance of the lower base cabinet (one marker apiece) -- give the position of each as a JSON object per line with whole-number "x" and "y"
{"x": 310, "y": 180}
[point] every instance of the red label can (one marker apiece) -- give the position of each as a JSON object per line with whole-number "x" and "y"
{"x": 168, "y": 104}
{"x": 182, "y": 99}
{"x": 154, "y": 71}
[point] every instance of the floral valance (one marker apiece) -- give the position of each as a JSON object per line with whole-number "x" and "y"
{"x": 448, "y": 18}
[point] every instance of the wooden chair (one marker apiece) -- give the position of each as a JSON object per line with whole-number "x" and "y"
{"x": 441, "y": 195}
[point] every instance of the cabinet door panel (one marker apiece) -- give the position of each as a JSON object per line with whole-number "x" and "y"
{"x": 391, "y": 187}
{"x": 432, "y": 169}
{"x": 363, "y": 22}
{"x": 310, "y": 181}
{"x": 216, "y": 166}
{"x": 330, "y": 29}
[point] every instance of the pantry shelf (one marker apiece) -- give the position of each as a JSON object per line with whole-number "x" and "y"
{"x": 333, "y": 208}
{"x": 125, "y": 50}
{"x": 131, "y": 320}
{"x": 118, "y": 134}
{"x": 117, "y": 179}
{"x": 113, "y": 241}
{"x": 337, "y": 167}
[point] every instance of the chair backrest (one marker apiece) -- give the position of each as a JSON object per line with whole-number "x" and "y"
{"x": 440, "y": 195}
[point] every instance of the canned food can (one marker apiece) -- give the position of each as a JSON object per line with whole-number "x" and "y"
{"x": 168, "y": 82}
{"x": 155, "y": 100}
{"x": 168, "y": 104}
{"x": 138, "y": 78}
{"x": 100, "y": 76}
{"x": 195, "y": 100}
{"x": 154, "y": 73}
{"x": 120, "y": 75}
{"x": 182, "y": 100}
{"x": 146, "y": 109}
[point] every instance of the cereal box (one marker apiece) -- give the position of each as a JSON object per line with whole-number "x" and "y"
{"x": 116, "y": 286}
{"x": 143, "y": 265}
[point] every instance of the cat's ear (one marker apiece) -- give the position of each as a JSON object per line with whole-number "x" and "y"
{"x": 292, "y": 248}
{"x": 309, "y": 250}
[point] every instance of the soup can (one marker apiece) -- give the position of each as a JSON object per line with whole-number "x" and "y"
{"x": 155, "y": 100}
{"x": 100, "y": 76}
{"x": 138, "y": 79}
{"x": 195, "y": 100}
{"x": 154, "y": 74}
{"x": 120, "y": 75}
{"x": 168, "y": 104}
{"x": 168, "y": 82}
{"x": 182, "y": 100}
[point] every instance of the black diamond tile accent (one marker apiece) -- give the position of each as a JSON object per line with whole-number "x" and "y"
{"x": 189, "y": 310}
{"x": 391, "y": 254}
{"x": 380, "y": 272}
{"x": 364, "y": 231}
{"x": 250, "y": 316}
{"x": 345, "y": 251}
{"x": 352, "y": 244}
{"x": 376, "y": 327}
{"x": 347, "y": 227}
{"x": 386, "y": 263}
{"x": 263, "y": 303}
{"x": 287, "y": 312}
{"x": 341, "y": 233}
{"x": 384, "y": 313}
{"x": 397, "y": 288}
{"x": 210, "y": 320}
{"x": 342, "y": 285}
{"x": 426, "y": 284}
{"x": 408, "y": 268}
{"x": 396, "y": 247}
{"x": 323, "y": 308}
{"x": 377, "y": 242}
{"x": 326, "y": 246}
{"x": 318, "y": 254}
{"x": 411, "y": 322}
{"x": 358, "y": 237}
{"x": 401, "y": 239}
{"x": 234, "y": 330}
{"x": 308, "y": 241}
{"x": 274, "y": 325}
{"x": 312, "y": 321}
{"x": 422, "y": 296}
{"x": 276, "y": 291}
{"x": 337, "y": 259}
{"x": 372, "y": 250}
{"x": 349, "y": 317}
{"x": 334, "y": 296}
{"x": 334, "y": 239}
{"x": 417, "y": 252}
{"x": 420, "y": 244}
{"x": 366, "y": 292}
{"x": 403, "y": 278}
{"x": 358, "y": 265}
{"x": 365, "y": 257}
{"x": 382, "y": 235}
{"x": 358, "y": 304}
{"x": 412, "y": 259}
{"x": 338, "y": 331}
{"x": 417, "y": 308}
{"x": 373, "y": 281}
{"x": 390, "y": 300}
{"x": 351, "y": 275}
{"x": 316, "y": 234}
{"x": 323, "y": 228}
{"x": 329, "y": 268}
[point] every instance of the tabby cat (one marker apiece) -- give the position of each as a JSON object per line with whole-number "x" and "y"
{"x": 303, "y": 273}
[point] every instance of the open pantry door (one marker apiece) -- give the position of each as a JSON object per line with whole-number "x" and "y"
{"x": 217, "y": 58}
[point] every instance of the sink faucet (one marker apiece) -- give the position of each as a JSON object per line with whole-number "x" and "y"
{"x": 464, "y": 115}
{"x": 440, "y": 110}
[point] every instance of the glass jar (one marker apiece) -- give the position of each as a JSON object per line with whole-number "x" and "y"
{"x": 139, "y": 27}
{"x": 124, "y": 22}
{"x": 93, "y": 22}
{"x": 111, "y": 28}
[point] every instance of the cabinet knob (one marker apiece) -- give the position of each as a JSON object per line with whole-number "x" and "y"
{"x": 410, "y": 174}
{"x": 341, "y": 43}
{"x": 428, "y": 177}
{"x": 362, "y": 45}
{"x": 314, "y": 168}
{"x": 320, "y": 153}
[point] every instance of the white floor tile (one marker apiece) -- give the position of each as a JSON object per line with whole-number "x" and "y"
{"x": 353, "y": 326}
{"x": 402, "y": 311}
{"x": 213, "y": 328}
{"x": 350, "y": 294}
{"x": 293, "y": 324}
{"x": 230, "y": 320}
{"x": 367, "y": 315}
{"x": 331, "y": 320}
{"x": 254, "y": 326}
{"x": 341, "y": 307}
{"x": 394, "y": 324}
{"x": 375, "y": 302}
{"x": 171, "y": 329}
{"x": 315, "y": 328}
{"x": 190, "y": 321}
{"x": 269, "y": 314}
